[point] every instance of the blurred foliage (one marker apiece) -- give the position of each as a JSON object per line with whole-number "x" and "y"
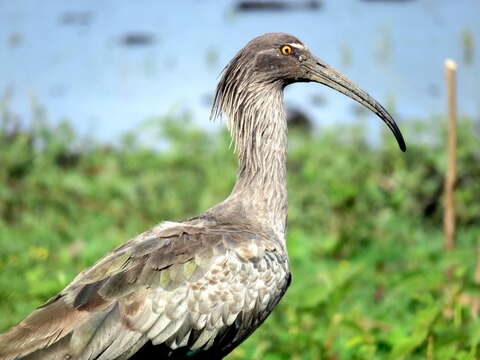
{"x": 468, "y": 45}
{"x": 346, "y": 55}
{"x": 370, "y": 276}
{"x": 383, "y": 45}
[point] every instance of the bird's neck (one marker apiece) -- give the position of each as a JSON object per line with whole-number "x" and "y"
{"x": 259, "y": 129}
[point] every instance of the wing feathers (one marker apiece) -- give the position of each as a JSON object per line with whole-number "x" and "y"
{"x": 88, "y": 297}
{"x": 169, "y": 330}
{"x": 40, "y": 329}
{"x": 177, "y": 285}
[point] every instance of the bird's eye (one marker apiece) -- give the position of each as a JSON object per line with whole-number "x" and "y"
{"x": 286, "y": 50}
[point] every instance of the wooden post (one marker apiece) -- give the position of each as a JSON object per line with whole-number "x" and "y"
{"x": 449, "y": 214}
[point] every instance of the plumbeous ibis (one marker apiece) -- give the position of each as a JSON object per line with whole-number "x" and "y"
{"x": 195, "y": 289}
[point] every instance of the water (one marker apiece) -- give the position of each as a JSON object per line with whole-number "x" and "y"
{"x": 73, "y": 59}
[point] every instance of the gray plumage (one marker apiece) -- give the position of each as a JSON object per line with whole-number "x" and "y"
{"x": 197, "y": 288}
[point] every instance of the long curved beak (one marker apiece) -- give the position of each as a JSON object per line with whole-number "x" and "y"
{"x": 322, "y": 73}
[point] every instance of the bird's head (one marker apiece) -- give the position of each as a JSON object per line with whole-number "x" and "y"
{"x": 280, "y": 59}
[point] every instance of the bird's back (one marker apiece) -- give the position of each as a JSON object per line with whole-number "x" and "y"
{"x": 194, "y": 289}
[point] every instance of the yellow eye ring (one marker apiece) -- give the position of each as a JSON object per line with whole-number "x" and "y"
{"x": 286, "y": 50}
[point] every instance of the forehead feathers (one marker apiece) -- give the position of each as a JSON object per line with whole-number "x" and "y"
{"x": 271, "y": 40}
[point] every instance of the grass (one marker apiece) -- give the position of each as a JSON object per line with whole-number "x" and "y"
{"x": 365, "y": 230}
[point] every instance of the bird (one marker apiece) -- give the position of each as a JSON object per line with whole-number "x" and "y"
{"x": 197, "y": 288}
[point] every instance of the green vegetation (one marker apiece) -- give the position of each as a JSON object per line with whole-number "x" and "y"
{"x": 370, "y": 277}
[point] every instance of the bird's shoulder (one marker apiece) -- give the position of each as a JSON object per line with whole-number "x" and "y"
{"x": 177, "y": 243}
{"x": 198, "y": 285}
